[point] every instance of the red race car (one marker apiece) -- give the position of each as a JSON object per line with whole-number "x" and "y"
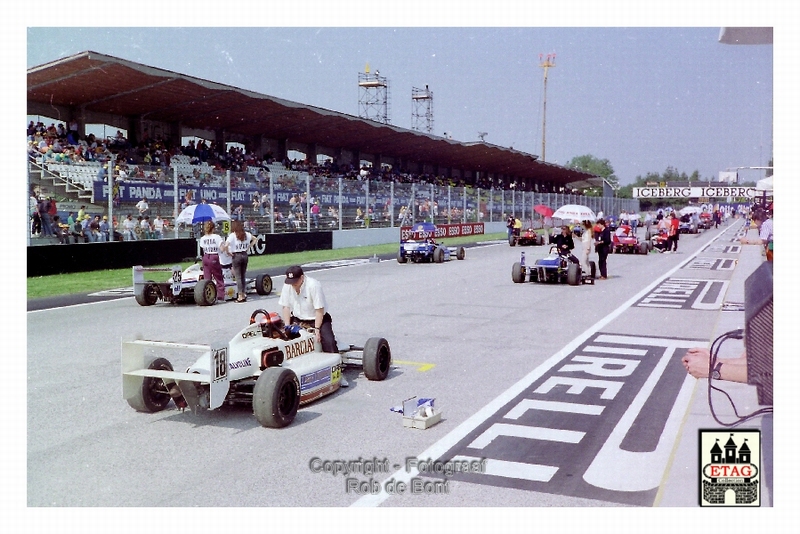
{"x": 624, "y": 240}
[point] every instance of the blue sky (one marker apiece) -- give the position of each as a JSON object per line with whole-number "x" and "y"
{"x": 643, "y": 98}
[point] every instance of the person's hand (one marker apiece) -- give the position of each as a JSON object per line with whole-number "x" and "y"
{"x": 695, "y": 361}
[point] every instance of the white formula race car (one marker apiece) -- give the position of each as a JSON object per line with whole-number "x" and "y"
{"x": 189, "y": 285}
{"x": 273, "y": 368}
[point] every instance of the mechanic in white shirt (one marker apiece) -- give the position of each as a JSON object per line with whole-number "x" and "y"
{"x": 303, "y": 302}
{"x": 210, "y": 243}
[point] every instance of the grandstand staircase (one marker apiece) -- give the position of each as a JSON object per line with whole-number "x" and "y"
{"x": 58, "y": 181}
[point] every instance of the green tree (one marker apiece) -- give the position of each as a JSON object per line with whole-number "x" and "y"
{"x": 598, "y": 167}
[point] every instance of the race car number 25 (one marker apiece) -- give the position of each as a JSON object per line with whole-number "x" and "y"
{"x": 219, "y": 360}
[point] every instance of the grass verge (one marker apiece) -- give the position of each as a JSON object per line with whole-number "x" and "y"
{"x": 86, "y": 282}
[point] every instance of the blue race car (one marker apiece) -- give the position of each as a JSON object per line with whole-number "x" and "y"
{"x": 422, "y": 247}
{"x": 555, "y": 268}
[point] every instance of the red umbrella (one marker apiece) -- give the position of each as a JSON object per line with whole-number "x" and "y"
{"x": 543, "y": 210}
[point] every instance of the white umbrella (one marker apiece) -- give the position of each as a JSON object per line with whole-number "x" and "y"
{"x": 688, "y": 210}
{"x": 574, "y": 212}
{"x": 201, "y": 212}
{"x": 764, "y": 184}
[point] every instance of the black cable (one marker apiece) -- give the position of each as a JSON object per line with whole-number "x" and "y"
{"x": 712, "y": 361}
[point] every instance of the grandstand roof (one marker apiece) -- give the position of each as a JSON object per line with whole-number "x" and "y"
{"x": 108, "y": 85}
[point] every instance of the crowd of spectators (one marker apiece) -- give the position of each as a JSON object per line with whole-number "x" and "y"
{"x": 206, "y": 163}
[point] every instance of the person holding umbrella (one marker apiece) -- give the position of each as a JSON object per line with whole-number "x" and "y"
{"x": 211, "y": 243}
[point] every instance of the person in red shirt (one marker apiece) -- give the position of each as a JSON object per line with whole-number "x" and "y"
{"x": 673, "y": 233}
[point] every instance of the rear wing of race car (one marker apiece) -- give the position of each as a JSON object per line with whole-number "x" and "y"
{"x": 139, "y": 281}
{"x": 138, "y": 353}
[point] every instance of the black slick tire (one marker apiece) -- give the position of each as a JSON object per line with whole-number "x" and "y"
{"x": 377, "y": 358}
{"x": 574, "y": 274}
{"x": 276, "y": 397}
{"x": 152, "y": 395}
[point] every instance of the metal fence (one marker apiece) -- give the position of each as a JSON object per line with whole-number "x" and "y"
{"x": 290, "y": 200}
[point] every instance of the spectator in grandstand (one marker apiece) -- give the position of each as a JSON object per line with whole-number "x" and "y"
{"x": 105, "y": 229}
{"x": 45, "y": 217}
{"x": 142, "y": 206}
{"x": 158, "y": 227}
{"x": 86, "y": 230}
{"x": 101, "y": 173}
{"x": 315, "y": 214}
{"x": 129, "y": 228}
{"x": 144, "y": 224}
{"x": 238, "y": 213}
{"x": 62, "y": 230}
{"x": 94, "y": 228}
{"x": 33, "y": 213}
{"x": 333, "y": 213}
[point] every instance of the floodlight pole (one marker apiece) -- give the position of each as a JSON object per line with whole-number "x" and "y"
{"x": 550, "y": 61}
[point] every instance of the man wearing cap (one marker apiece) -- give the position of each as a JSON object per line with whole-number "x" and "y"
{"x": 105, "y": 229}
{"x": 303, "y": 303}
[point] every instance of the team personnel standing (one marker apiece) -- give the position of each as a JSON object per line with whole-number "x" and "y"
{"x": 602, "y": 244}
{"x": 303, "y": 302}
{"x": 587, "y": 240}
{"x": 237, "y": 244}
{"x": 673, "y": 232}
{"x": 210, "y": 243}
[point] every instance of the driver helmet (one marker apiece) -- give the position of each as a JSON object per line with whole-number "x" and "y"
{"x": 274, "y": 318}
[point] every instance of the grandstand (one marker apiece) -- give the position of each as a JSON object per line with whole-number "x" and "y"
{"x": 371, "y": 171}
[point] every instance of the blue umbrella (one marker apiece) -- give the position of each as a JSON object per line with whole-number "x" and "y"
{"x": 197, "y": 213}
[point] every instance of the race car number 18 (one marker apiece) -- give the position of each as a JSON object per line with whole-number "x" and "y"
{"x": 220, "y": 363}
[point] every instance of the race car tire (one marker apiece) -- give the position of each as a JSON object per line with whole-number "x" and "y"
{"x": 642, "y": 248}
{"x": 152, "y": 395}
{"x": 574, "y": 274}
{"x": 276, "y": 397}
{"x": 593, "y": 269}
{"x": 517, "y": 273}
{"x": 541, "y": 239}
{"x": 438, "y": 255}
{"x": 205, "y": 293}
{"x": 149, "y": 295}
{"x": 512, "y": 241}
{"x": 401, "y": 258}
{"x": 649, "y": 246}
{"x": 648, "y": 236}
{"x": 377, "y": 358}
{"x": 263, "y": 284}
{"x": 461, "y": 253}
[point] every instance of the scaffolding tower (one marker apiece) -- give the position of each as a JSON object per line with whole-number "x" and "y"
{"x": 422, "y": 109}
{"x": 373, "y": 97}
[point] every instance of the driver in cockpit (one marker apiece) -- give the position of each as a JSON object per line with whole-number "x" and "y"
{"x": 565, "y": 244}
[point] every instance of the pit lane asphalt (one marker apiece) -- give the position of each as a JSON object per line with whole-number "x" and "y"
{"x": 461, "y": 332}
{"x": 276, "y": 273}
